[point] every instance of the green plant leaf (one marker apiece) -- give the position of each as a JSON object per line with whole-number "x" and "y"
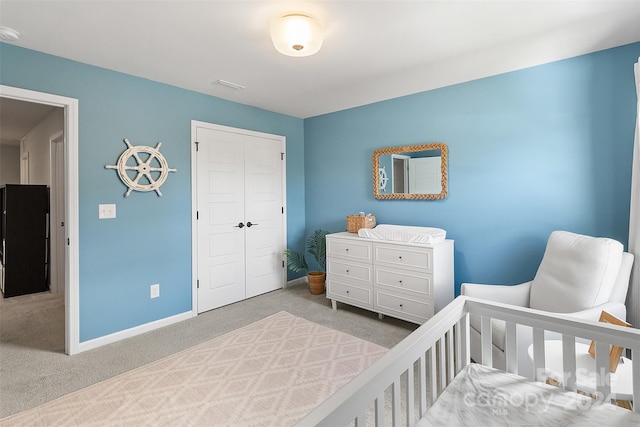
{"x": 296, "y": 261}
{"x": 317, "y": 246}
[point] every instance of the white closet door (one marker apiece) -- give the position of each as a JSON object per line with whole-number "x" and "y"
{"x": 239, "y": 182}
{"x": 220, "y": 193}
{"x": 263, "y": 209}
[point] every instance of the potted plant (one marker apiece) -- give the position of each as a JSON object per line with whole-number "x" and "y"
{"x": 316, "y": 246}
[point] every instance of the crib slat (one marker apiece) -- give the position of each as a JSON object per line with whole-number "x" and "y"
{"x": 410, "y": 396}
{"x": 464, "y": 342}
{"x": 379, "y": 407}
{"x": 569, "y": 362}
{"x": 457, "y": 347}
{"x": 450, "y": 356}
{"x": 422, "y": 377}
{"x": 635, "y": 372}
{"x": 396, "y": 402}
{"x": 511, "y": 349}
{"x": 442, "y": 364}
{"x": 603, "y": 373}
{"x": 486, "y": 341}
{"x": 433, "y": 376}
{"x": 538, "y": 355}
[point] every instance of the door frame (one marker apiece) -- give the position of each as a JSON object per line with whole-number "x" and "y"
{"x": 72, "y": 291}
{"x": 56, "y": 196}
{"x": 194, "y": 200}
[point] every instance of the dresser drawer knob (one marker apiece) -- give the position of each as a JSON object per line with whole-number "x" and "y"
{"x": 347, "y": 291}
{"x": 400, "y": 282}
{"x": 347, "y": 271}
{"x": 347, "y": 249}
{"x": 401, "y": 306}
{"x": 400, "y": 258}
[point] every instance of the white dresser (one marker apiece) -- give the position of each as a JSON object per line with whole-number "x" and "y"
{"x": 404, "y": 280}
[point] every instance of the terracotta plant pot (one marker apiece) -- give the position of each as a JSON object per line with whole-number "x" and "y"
{"x": 316, "y": 282}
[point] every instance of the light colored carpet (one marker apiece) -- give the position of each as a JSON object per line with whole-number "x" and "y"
{"x": 271, "y": 372}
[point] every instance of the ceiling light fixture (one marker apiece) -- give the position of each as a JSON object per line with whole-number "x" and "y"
{"x": 8, "y": 34}
{"x": 296, "y": 35}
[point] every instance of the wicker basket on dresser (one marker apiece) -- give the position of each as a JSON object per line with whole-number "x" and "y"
{"x": 403, "y": 280}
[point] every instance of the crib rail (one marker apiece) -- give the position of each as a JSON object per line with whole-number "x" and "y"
{"x": 420, "y": 352}
{"x": 400, "y": 387}
{"x": 569, "y": 329}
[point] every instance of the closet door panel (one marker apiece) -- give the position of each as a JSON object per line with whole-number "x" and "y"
{"x": 220, "y": 177}
{"x": 263, "y": 209}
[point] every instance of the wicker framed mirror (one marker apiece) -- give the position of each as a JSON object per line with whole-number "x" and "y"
{"x": 411, "y": 172}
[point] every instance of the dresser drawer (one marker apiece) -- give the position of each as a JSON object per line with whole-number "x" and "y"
{"x": 403, "y": 308}
{"x": 419, "y": 282}
{"x": 343, "y": 248}
{"x": 421, "y": 258}
{"x": 361, "y": 297}
{"x": 349, "y": 270}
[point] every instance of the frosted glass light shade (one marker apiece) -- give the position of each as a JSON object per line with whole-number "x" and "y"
{"x": 296, "y": 35}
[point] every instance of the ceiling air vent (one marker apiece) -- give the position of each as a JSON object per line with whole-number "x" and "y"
{"x": 228, "y": 84}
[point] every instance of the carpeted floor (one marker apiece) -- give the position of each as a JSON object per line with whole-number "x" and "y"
{"x": 271, "y": 372}
{"x": 34, "y": 370}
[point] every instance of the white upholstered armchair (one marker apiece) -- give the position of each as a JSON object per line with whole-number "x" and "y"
{"x": 579, "y": 275}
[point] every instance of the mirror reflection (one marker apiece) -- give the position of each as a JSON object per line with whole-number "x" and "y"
{"x": 410, "y": 172}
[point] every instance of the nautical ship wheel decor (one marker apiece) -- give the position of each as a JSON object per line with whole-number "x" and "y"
{"x": 142, "y": 168}
{"x": 382, "y": 178}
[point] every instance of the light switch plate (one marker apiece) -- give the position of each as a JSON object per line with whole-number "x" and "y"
{"x": 106, "y": 211}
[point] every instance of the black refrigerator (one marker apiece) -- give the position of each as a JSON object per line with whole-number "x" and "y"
{"x": 24, "y": 231}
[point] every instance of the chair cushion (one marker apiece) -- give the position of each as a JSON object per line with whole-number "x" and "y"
{"x": 577, "y": 272}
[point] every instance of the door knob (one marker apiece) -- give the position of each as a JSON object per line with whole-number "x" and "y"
{"x": 240, "y": 225}
{"x": 249, "y": 224}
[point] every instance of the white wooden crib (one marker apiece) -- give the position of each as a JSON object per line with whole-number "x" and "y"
{"x": 402, "y": 387}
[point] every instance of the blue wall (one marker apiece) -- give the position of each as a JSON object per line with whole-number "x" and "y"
{"x": 150, "y": 240}
{"x": 531, "y": 151}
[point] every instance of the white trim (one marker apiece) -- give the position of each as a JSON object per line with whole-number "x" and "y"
{"x": 194, "y": 225}
{"x": 296, "y": 282}
{"x": 72, "y": 284}
{"x": 24, "y": 161}
{"x": 194, "y": 200}
{"x": 53, "y": 217}
{"x": 633, "y": 295}
{"x": 132, "y": 332}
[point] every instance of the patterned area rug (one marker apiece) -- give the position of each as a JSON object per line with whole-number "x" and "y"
{"x": 272, "y": 372}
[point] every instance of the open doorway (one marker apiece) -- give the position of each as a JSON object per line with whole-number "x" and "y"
{"x": 32, "y": 200}
{"x": 54, "y": 162}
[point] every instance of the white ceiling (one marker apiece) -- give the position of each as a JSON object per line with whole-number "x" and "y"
{"x": 373, "y": 50}
{"x": 17, "y": 118}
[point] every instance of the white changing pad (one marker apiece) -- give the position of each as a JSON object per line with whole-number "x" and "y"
{"x": 404, "y": 233}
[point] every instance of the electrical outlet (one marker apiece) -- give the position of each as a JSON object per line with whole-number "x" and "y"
{"x": 106, "y": 211}
{"x": 155, "y": 290}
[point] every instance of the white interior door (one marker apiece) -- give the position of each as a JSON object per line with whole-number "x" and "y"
{"x": 425, "y": 175}
{"x": 240, "y": 225}
{"x": 263, "y": 213}
{"x": 220, "y": 193}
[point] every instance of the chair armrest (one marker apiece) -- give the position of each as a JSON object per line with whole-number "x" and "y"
{"x": 617, "y": 309}
{"x": 514, "y": 295}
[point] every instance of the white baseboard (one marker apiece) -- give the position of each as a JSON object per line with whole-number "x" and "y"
{"x": 132, "y": 332}
{"x": 147, "y": 327}
{"x": 294, "y": 282}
